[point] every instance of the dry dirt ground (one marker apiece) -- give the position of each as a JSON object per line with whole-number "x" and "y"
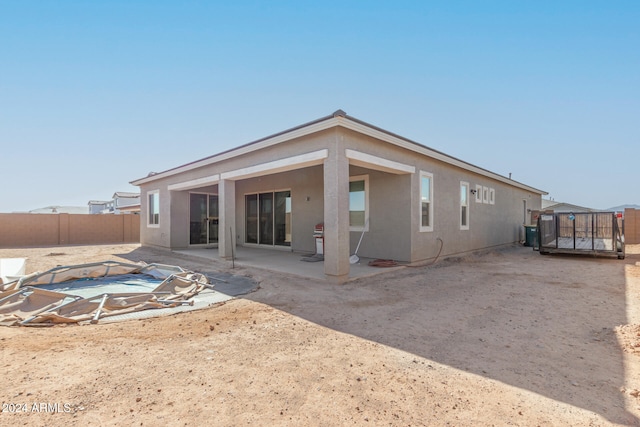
{"x": 508, "y": 337}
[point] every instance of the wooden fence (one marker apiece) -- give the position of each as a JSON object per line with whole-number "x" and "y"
{"x": 632, "y": 226}
{"x": 19, "y": 230}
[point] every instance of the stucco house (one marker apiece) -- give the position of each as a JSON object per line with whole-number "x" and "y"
{"x": 354, "y": 177}
{"x": 121, "y": 202}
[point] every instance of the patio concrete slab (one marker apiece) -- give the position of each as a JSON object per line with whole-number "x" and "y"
{"x": 283, "y": 262}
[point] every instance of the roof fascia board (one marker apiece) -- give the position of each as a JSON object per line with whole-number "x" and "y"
{"x": 194, "y": 183}
{"x": 358, "y": 158}
{"x": 281, "y": 165}
{"x": 268, "y": 142}
{"x": 421, "y": 149}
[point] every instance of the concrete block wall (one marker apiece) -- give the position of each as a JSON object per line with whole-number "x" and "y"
{"x": 29, "y": 230}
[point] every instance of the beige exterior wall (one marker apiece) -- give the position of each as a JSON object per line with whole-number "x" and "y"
{"x": 27, "y": 230}
{"x": 172, "y": 231}
{"x": 395, "y": 208}
{"x": 306, "y": 203}
{"x": 394, "y": 230}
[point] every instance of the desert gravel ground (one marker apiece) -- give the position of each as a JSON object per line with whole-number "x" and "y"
{"x": 506, "y": 337}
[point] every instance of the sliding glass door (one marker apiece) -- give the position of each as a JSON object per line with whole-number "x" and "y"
{"x": 251, "y": 214}
{"x": 265, "y": 226}
{"x": 282, "y": 218}
{"x": 203, "y": 219}
{"x": 268, "y": 218}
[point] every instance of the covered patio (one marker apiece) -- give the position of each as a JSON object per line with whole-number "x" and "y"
{"x": 284, "y": 262}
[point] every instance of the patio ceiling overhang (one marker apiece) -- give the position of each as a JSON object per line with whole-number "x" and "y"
{"x": 195, "y": 183}
{"x": 282, "y": 165}
{"x": 356, "y": 158}
{"x": 365, "y": 160}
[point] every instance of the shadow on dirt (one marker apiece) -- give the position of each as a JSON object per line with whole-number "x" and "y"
{"x": 539, "y": 323}
{"x": 544, "y": 324}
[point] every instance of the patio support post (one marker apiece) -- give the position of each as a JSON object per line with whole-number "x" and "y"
{"x": 226, "y": 218}
{"x": 336, "y": 214}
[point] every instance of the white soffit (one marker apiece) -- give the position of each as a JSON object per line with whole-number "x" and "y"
{"x": 282, "y": 165}
{"x": 358, "y": 158}
{"x": 195, "y": 183}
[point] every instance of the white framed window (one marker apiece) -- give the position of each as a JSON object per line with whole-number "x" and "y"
{"x": 464, "y": 205}
{"x": 478, "y": 193}
{"x": 426, "y": 201}
{"x": 358, "y": 203}
{"x": 153, "y": 208}
{"x": 485, "y": 194}
{"x": 492, "y": 196}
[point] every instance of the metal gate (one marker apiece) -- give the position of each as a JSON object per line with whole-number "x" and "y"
{"x": 596, "y": 233}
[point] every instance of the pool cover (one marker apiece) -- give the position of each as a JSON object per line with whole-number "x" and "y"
{"x": 88, "y": 292}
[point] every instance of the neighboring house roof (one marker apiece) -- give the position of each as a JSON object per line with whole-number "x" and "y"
{"x": 61, "y": 209}
{"x": 338, "y": 118}
{"x": 621, "y": 208}
{"x": 124, "y": 195}
{"x": 124, "y": 200}
{"x": 98, "y": 202}
{"x": 565, "y": 207}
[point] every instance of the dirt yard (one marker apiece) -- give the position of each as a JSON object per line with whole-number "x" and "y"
{"x": 508, "y": 337}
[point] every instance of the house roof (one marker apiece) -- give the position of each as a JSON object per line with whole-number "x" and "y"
{"x": 338, "y": 118}
{"x": 125, "y": 194}
{"x": 61, "y": 209}
{"x": 557, "y": 206}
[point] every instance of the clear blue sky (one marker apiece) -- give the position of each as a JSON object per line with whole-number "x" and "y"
{"x": 95, "y": 94}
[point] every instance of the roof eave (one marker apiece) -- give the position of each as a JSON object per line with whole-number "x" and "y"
{"x": 339, "y": 118}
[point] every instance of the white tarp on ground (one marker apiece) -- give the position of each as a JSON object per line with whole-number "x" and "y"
{"x": 11, "y": 269}
{"x": 24, "y": 302}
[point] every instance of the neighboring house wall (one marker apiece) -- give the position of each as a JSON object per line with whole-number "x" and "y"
{"x": 100, "y": 207}
{"x": 27, "y": 230}
{"x": 125, "y": 202}
{"x": 632, "y": 226}
{"x": 96, "y": 208}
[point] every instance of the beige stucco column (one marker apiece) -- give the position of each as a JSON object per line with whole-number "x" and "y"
{"x": 226, "y": 218}
{"x": 336, "y": 214}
